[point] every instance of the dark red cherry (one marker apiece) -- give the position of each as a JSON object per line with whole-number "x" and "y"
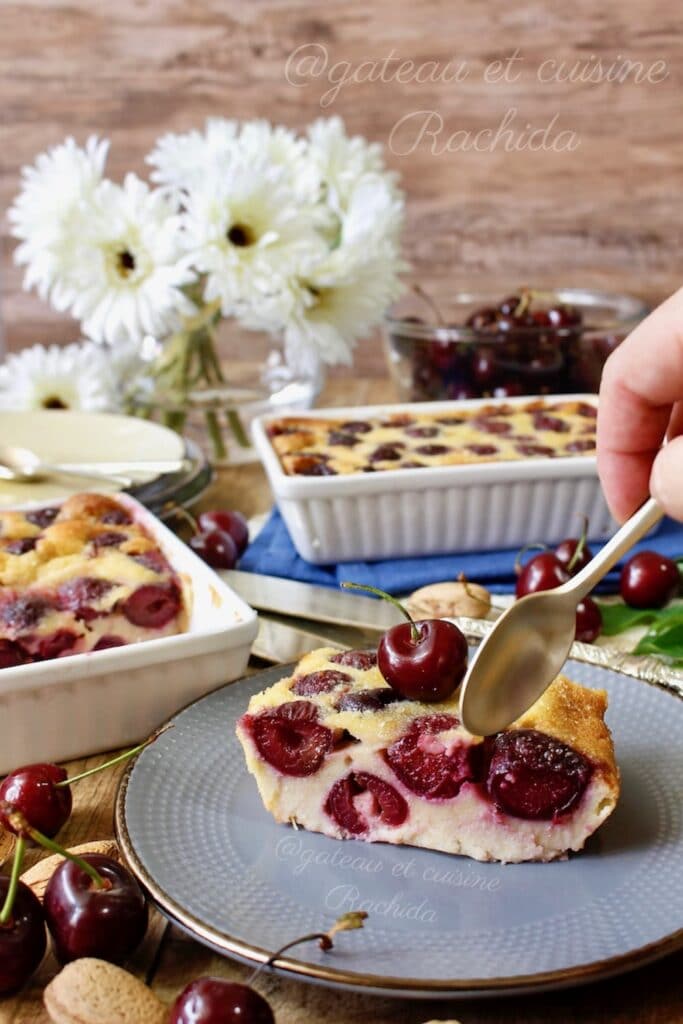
{"x": 21, "y": 546}
{"x": 482, "y": 318}
{"x": 509, "y": 305}
{"x": 566, "y": 550}
{"x": 81, "y": 594}
{"x": 152, "y": 605}
{"x": 356, "y": 659}
{"x": 214, "y": 1001}
{"x": 649, "y": 580}
{"x": 532, "y": 775}
{"x": 431, "y": 766}
{"x": 42, "y": 517}
{"x": 217, "y": 548}
{"x": 380, "y": 803}
{"x": 23, "y": 613}
{"x": 22, "y": 938}
{"x": 484, "y": 367}
{"x": 107, "y": 923}
{"x": 542, "y": 572}
{"x": 428, "y": 666}
{"x": 508, "y": 389}
{"x": 229, "y": 521}
{"x": 375, "y": 699}
{"x": 588, "y": 621}
{"x": 319, "y": 682}
{"x": 290, "y": 737}
{"x": 32, "y": 790}
{"x": 56, "y": 644}
{"x": 107, "y": 641}
{"x": 12, "y": 654}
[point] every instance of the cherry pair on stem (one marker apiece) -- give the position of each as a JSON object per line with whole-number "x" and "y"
{"x": 92, "y": 906}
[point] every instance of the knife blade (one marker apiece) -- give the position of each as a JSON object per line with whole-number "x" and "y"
{"x": 280, "y": 643}
{"x": 310, "y": 601}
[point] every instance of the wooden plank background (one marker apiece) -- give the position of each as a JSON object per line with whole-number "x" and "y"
{"x": 607, "y": 213}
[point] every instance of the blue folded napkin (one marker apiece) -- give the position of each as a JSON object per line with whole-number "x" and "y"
{"x": 273, "y": 553}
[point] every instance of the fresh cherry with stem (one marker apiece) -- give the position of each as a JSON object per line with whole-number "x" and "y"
{"x": 574, "y": 553}
{"x": 216, "y": 1001}
{"x": 542, "y": 572}
{"x": 22, "y": 928}
{"x": 92, "y": 904}
{"x": 42, "y": 792}
{"x": 424, "y": 660}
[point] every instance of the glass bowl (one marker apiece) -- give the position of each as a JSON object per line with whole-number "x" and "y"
{"x": 543, "y": 342}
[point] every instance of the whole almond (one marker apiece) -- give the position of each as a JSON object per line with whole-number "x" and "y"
{"x": 90, "y": 991}
{"x": 39, "y": 875}
{"x": 450, "y": 600}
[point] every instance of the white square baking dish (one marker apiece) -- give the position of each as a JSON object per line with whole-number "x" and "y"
{"x": 85, "y": 703}
{"x": 436, "y": 509}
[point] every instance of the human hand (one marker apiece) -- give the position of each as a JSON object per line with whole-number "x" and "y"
{"x": 641, "y": 405}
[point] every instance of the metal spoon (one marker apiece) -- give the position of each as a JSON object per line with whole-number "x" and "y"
{"x": 530, "y": 642}
{"x": 23, "y": 466}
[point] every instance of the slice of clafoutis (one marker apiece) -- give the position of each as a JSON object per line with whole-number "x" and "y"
{"x": 335, "y": 750}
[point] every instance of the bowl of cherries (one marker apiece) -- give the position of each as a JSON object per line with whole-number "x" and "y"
{"x": 525, "y": 342}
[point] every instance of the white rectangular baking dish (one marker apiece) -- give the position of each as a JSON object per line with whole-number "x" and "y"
{"x": 85, "y": 703}
{"x": 405, "y": 512}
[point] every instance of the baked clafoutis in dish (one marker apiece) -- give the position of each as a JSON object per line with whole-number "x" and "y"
{"x": 336, "y": 750}
{"x": 316, "y": 446}
{"x": 82, "y": 576}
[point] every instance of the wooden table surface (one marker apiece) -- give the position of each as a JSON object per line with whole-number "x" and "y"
{"x": 168, "y": 959}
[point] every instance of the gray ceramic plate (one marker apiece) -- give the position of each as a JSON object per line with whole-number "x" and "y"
{"x": 193, "y": 828}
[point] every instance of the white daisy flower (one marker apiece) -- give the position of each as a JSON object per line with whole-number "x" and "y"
{"x": 75, "y": 376}
{"x": 123, "y": 265}
{"x": 246, "y": 230}
{"x": 181, "y": 160}
{"x": 51, "y": 191}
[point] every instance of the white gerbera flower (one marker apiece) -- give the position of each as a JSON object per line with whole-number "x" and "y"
{"x": 122, "y": 264}
{"x": 75, "y": 376}
{"x": 246, "y": 230}
{"x": 340, "y": 160}
{"x": 51, "y": 191}
{"x": 181, "y": 160}
{"x": 328, "y": 304}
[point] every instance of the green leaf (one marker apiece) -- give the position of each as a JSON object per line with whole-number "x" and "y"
{"x": 616, "y": 618}
{"x": 664, "y": 638}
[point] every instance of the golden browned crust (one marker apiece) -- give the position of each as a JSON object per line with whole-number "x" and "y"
{"x": 456, "y": 438}
{"x": 88, "y": 506}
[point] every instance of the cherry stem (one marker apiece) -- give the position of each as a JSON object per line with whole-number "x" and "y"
{"x": 579, "y": 547}
{"x": 182, "y": 513}
{"x": 524, "y": 302}
{"x": 21, "y": 825}
{"x": 6, "y": 912}
{"x": 346, "y": 923}
{"x": 115, "y": 760}
{"x": 414, "y": 631}
{"x": 426, "y": 297}
{"x": 521, "y": 553}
